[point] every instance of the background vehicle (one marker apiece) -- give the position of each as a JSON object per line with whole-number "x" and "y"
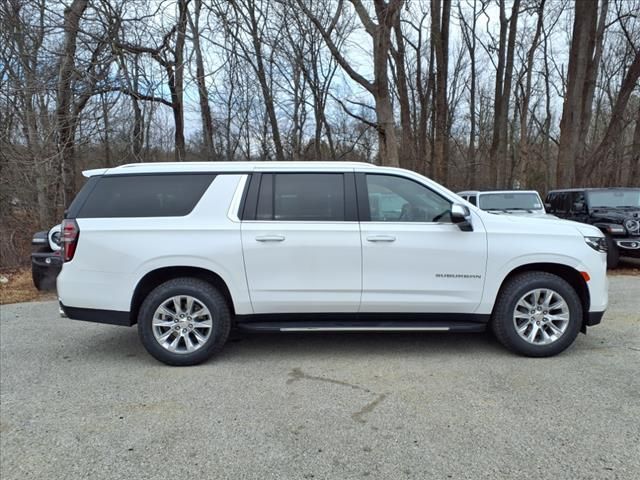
{"x": 517, "y": 202}
{"x": 615, "y": 211}
{"x": 187, "y": 250}
{"x": 46, "y": 258}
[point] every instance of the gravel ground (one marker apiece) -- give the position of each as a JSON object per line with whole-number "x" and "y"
{"x": 80, "y": 400}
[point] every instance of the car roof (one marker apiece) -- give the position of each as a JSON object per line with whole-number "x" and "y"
{"x": 202, "y": 167}
{"x": 473, "y": 192}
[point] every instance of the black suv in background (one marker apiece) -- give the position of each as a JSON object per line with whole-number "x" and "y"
{"x": 615, "y": 211}
{"x": 46, "y": 258}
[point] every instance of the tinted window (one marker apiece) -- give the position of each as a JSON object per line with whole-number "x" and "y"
{"x": 311, "y": 197}
{"x": 560, "y": 202}
{"x": 472, "y": 199}
{"x": 145, "y": 195}
{"x": 397, "y": 199}
{"x": 578, "y": 204}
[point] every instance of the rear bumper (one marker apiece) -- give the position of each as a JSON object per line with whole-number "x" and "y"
{"x": 594, "y": 318}
{"x": 110, "y": 317}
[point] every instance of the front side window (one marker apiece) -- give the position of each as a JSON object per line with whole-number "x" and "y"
{"x": 310, "y": 197}
{"x": 560, "y": 202}
{"x": 397, "y": 199}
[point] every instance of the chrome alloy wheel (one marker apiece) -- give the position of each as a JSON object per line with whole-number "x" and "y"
{"x": 541, "y": 316}
{"x": 182, "y": 324}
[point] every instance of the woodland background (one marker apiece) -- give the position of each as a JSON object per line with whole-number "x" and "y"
{"x": 473, "y": 93}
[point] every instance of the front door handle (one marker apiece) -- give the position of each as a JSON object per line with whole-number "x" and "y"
{"x": 381, "y": 238}
{"x": 270, "y": 238}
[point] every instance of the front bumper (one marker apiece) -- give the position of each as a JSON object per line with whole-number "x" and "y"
{"x": 47, "y": 260}
{"x": 628, "y": 245}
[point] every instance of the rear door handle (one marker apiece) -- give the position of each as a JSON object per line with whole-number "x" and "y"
{"x": 270, "y": 238}
{"x": 381, "y": 238}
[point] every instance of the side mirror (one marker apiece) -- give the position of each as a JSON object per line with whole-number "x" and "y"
{"x": 461, "y": 216}
{"x": 578, "y": 207}
{"x": 547, "y": 206}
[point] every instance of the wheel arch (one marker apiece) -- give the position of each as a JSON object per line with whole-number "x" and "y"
{"x": 572, "y": 276}
{"x": 160, "y": 275}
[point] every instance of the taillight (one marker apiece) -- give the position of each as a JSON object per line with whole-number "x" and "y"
{"x": 70, "y": 234}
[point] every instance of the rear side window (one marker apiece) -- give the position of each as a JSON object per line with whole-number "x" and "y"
{"x": 311, "y": 197}
{"x": 472, "y": 200}
{"x": 145, "y": 195}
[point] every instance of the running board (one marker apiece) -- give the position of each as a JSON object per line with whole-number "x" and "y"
{"x": 362, "y": 326}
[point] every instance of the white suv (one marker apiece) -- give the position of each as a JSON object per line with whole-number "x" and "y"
{"x": 189, "y": 250}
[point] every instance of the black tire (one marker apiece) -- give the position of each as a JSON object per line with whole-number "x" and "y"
{"x": 206, "y": 294}
{"x": 613, "y": 253}
{"x": 502, "y": 320}
{"x": 38, "y": 277}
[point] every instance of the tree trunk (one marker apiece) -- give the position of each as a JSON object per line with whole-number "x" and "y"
{"x": 470, "y": 39}
{"x": 591, "y": 76}
{"x": 526, "y": 96}
{"x": 407, "y": 145}
{"x": 65, "y": 139}
{"x": 176, "y": 82}
{"x": 582, "y": 41}
{"x": 440, "y": 15}
{"x": 203, "y": 95}
{"x": 504, "y": 76}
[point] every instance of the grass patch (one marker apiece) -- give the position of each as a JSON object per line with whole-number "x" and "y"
{"x": 19, "y": 287}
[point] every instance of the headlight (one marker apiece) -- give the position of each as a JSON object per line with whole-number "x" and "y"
{"x": 599, "y": 244}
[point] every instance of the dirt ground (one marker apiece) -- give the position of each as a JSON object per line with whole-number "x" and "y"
{"x": 18, "y": 287}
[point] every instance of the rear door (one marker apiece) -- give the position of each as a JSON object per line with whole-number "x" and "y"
{"x": 301, "y": 243}
{"x": 414, "y": 258}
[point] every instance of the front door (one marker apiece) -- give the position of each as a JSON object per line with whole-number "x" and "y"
{"x": 302, "y": 249}
{"x": 414, "y": 258}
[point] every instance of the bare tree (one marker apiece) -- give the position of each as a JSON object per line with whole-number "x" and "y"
{"x": 380, "y": 34}
{"x": 203, "y": 95}
{"x": 580, "y": 75}
{"x": 504, "y": 77}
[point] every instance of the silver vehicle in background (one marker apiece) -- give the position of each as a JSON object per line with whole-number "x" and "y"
{"x": 515, "y": 202}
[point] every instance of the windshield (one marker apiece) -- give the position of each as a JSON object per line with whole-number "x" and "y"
{"x": 614, "y": 198}
{"x": 510, "y": 201}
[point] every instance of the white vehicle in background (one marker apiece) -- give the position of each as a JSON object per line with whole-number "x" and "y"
{"x": 189, "y": 250}
{"x": 515, "y": 202}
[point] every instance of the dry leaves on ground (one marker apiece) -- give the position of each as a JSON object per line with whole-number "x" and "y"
{"x": 16, "y": 286}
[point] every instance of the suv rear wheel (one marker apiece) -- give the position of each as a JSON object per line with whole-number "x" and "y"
{"x": 184, "y": 321}
{"x": 537, "y": 314}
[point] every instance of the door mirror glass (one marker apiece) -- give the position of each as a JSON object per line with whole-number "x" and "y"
{"x": 461, "y": 216}
{"x": 578, "y": 207}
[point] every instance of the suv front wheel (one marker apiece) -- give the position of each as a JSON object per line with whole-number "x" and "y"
{"x": 537, "y": 314}
{"x": 184, "y": 322}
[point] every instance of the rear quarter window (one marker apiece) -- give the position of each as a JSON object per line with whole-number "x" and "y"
{"x": 172, "y": 195}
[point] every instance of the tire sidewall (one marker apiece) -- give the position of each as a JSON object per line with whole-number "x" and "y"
{"x": 515, "y": 292}
{"x": 613, "y": 253}
{"x": 206, "y": 294}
